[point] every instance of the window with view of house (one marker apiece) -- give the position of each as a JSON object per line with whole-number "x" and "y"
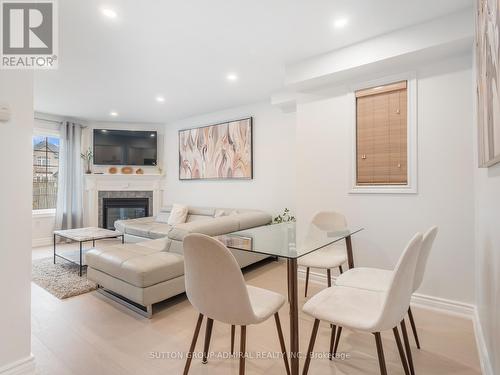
{"x": 45, "y": 171}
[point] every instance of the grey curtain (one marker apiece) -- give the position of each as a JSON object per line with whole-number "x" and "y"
{"x": 69, "y": 211}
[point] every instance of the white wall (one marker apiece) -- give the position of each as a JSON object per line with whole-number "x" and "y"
{"x": 445, "y": 183}
{"x": 488, "y": 260}
{"x": 273, "y": 186}
{"x": 16, "y": 89}
{"x": 42, "y": 227}
{"x": 487, "y": 281}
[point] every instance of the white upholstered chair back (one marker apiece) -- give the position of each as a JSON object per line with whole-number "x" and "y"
{"x": 214, "y": 283}
{"x": 427, "y": 242}
{"x": 329, "y": 221}
{"x": 398, "y": 296}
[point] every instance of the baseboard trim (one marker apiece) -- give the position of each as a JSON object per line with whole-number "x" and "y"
{"x": 443, "y": 305}
{"x": 25, "y": 366}
{"x": 45, "y": 241}
{"x": 482, "y": 349}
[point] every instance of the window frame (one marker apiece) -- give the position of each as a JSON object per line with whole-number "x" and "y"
{"x": 45, "y": 212}
{"x": 412, "y": 142}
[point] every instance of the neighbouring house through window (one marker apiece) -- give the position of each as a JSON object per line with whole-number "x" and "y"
{"x": 381, "y": 135}
{"x": 45, "y": 172}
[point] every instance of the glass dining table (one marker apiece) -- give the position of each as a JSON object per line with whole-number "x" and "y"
{"x": 281, "y": 240}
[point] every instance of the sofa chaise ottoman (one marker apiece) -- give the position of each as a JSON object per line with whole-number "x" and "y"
{"x": 145, "y": 271}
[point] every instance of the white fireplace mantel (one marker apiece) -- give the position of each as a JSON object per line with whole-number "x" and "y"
{"x": 94, "y": 183}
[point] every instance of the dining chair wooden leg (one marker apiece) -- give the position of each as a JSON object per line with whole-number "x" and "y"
{"x": 193, "y": 344}
{"x": 243, "y": 341}
{"x": 310, "y": 349}
{"x": 401, "y": 350}
{"x": 233, "y": 332}
{"x": 208, "y": 336}
{"x": 332, "y": 341}
{"x": 380, "y": 353}
{"x": 329, "y": 276}
{"x": 307, "y": 281}
{"x": 341, "y": 270}
{"x": 407, "y": 346}
{"x": 413, "y": 327}
{"x": 337, "y": 340}
{"x": 282, "y": 342}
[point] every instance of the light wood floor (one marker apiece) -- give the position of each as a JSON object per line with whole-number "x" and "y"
{"x": 90, "y": 334}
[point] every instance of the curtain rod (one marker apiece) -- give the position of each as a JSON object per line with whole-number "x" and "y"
{"x": 57, "y": 122}
{"x": 43, "y": 119}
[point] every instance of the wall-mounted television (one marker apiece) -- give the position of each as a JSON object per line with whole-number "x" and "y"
{"x": 125, "y": 147}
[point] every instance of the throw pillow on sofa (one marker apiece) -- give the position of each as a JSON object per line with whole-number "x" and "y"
{"x": 178, "y": 214}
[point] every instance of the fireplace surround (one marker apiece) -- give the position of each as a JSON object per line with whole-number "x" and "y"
{"x": 100, "y": 186}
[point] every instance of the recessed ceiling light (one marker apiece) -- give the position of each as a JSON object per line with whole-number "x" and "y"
{"x": 160, "y": 99}
{"x": 232, "y": 77}
{"x": 110, "y": 13}
{"x": 113, "y": 113}
{"x": 340, "y": 23}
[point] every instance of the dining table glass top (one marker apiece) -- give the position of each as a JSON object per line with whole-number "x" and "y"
{"x": 280, "y": 240}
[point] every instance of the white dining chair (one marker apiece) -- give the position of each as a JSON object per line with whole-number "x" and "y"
{"x": 380, "y": 279}
{"x": 331, "y": 256}
{"x": 216, "y": 288}
{"x": 368, "y": 310}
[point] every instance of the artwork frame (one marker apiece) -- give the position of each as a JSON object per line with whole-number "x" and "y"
{"x": 488, "y": 81}
{"x": 224, "y": 151}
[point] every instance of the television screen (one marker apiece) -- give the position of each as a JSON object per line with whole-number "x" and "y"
{"x": 124, "y": 147}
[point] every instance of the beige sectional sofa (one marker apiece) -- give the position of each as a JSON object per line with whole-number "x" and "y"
{"x": 149, "y": 268}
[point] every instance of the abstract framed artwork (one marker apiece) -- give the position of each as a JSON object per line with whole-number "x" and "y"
{"x": 488, "y": 81}
{"x": 217, "y": 152}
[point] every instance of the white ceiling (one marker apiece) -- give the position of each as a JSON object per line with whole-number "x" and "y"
{"x": 184, "y": 49}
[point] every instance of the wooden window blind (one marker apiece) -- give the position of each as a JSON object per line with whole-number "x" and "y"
{"x": 381, "y": 135}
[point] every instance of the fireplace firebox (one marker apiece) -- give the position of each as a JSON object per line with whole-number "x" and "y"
{"x": 122, "y": 209}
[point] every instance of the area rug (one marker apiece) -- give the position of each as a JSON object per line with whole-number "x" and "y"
{"x": 60, "y": 279}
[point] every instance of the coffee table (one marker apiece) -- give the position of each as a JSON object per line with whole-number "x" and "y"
{"x": 82, "y": 235}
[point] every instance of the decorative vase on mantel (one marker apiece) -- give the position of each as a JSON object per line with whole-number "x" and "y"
{"x": 88, "y": 156}
{"x": 89, "y": 168}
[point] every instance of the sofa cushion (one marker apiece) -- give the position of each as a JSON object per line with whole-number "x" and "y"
{"x": 161, "y": 244}
{"x": 138, "y": 265}
{"x": 122, "y": 225}
{"x": 147, "y": 229}
{"x": 202, "y": 211}
{"x": 138, "y": 229}
{"x": 253, "y": 219}
{"x": 199, "y": 220}
{"x": 158, "y": 230}
{"x": 191, "y": 218}
{"x": 178, "y": 214}
{"x": 213, "y": 227}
